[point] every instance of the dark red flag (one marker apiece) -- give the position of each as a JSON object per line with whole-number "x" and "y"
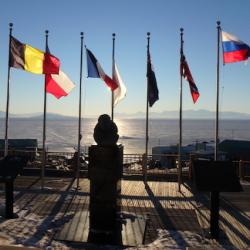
{"x": 185, "y": 72}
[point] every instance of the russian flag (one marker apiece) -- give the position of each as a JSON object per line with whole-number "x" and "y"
{"x": 234, "y": 50}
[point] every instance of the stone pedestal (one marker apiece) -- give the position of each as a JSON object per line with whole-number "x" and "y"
{"x": 105, "y": 172}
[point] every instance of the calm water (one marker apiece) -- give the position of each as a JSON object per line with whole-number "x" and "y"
{"x": 62, "y": 135}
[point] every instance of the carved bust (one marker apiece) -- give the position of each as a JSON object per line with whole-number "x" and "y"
{"x": 105, "y": 132}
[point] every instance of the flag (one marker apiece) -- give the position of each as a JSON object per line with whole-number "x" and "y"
{"x": 25, "y": 57}
{"x": 120, "y": 91}
{"x": 95, "y": 70}
{"x": 234, "y": 50}
{"x": 58, "y": 85}
{"x": 153, "y": 93}
{"x": 185, "y": 72}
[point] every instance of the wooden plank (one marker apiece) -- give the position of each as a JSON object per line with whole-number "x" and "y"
{"x": 139, "y": 228}
{"x": 82, "y": 229}
{"x": 179, "y": 208}
{"x": 86, "y": 227}
{"x": 237, "y": 233}
{"x": 18, "y": 248}
{"x": 74, "y": 222}
{"x": 83, "y": 225}
{"x": 133, "y": 230}
{"x": 63, "y": 233}
{"x": 128, "y": 238}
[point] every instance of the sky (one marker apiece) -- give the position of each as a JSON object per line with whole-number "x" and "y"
{"x": 130, "y": 20}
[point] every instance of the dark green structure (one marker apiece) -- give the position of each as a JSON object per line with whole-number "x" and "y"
{"x": 20, "y": 146}
{"x": 236, "y": 149}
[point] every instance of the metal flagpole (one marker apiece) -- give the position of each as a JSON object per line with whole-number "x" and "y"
{"x": 44, "y": 119}
{"x": 113, "y": 76}
{"x": 180, "y": 118}
{"x": 215, "y": 195}
{"x": 217, "y": 93}
{"x": 80, "y": 115}
{"x": 146, "y": 139}
{"x": 8, "y": 97}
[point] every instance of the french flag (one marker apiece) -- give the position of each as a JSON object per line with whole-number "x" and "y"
{"x": 95, "y": 70}
{"x": 234, "y": 50}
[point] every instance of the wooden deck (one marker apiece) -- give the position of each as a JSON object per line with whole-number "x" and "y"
{"x": 234, "y": 216}
{"x": 63, "y": 208}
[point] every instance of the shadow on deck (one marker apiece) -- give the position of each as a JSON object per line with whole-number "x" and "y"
{"x": 44, "y": 213}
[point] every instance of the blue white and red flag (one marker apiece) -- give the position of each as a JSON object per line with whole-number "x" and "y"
{"x": 95, "y": 70}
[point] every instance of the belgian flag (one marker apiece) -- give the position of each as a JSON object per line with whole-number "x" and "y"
{"x": 25, "y": 57}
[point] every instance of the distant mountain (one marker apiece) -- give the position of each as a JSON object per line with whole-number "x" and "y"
{"x": 38, "y": 116}
{"x": 2, "y": 115}
{"x": 187, "y": 114}
{"x": 53, "y": 116}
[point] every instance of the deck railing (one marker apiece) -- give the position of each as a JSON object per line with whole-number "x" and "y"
{"x": 158, "y": 165}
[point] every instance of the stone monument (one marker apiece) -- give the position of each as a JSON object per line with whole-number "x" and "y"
{"x": 105, "y": 172}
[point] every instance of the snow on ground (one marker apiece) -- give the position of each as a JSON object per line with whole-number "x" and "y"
{"x": 30, "y": 229}
{"x": 173, "y": 240}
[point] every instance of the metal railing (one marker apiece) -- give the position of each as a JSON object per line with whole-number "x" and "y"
{"x": 158, "y": 165}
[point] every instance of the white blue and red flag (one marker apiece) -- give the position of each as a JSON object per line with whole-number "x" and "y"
{"x": 95, "y": 70}
{"x": 234, "y": 50}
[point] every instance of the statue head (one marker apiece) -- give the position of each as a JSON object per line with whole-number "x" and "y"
{"x": 105, "y": 132}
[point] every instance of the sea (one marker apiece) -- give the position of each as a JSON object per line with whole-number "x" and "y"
{"x": 61, "y": 135}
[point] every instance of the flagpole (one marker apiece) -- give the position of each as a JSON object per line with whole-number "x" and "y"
{"x": 180, "y": 119}
{"x": 217, "y": 92}
{"x": 44, "y": 119}
{"x": 113, "y": 76}
{"x": 215, "y": 195}
{"x": 146, "y": 139}
{"x": 8, "y": 97}
{"x": 80, "y": 115}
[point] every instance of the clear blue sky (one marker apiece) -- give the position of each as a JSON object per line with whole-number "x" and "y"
{"x": 130, "y": 20}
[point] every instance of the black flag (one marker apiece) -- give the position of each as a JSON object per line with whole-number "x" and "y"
{"x": 153, "y": 93}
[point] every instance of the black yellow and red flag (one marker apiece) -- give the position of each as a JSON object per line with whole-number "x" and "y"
{"x": 25, "y": 57}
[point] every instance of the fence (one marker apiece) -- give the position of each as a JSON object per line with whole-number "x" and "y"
{"x": 158, "y": 165}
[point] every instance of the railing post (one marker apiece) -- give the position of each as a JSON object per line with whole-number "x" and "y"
{"x": 144, "y": 167}
{"x": 45, "y": 161}
{"x": 9, "y": 198}
{"x": 214, "y": 214}
{"x": 241, "y": 170}
{"x": 190, "y": 174}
